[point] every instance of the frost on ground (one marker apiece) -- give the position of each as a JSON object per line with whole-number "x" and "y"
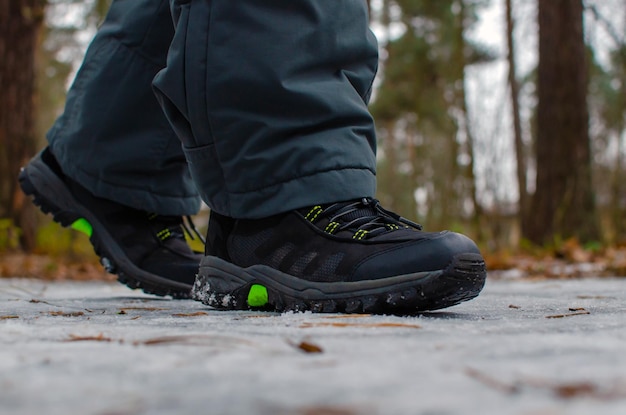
{"x": 546, "y": 347}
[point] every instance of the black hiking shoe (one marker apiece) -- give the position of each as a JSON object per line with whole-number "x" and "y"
{"x": 146, "y": 251}
{"x": 352, "y": 257}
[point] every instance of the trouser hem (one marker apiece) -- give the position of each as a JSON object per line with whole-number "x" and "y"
{"x": 143, "y": 199}
{"x": 318, "y": 188}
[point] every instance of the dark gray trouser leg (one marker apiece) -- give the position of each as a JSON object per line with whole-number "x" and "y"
{"x": 269, "y": 99}
{"x": 113, "y": 137}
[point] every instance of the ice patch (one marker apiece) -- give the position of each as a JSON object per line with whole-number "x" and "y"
{"x": 226, "y": 300}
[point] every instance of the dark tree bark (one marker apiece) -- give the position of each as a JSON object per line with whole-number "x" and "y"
{"x": 20, "y": 23}
{"x": 517, "y": 123}
{"x": 563, "y": 204}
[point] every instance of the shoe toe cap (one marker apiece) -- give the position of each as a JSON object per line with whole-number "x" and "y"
{"x": 431, "y": 253}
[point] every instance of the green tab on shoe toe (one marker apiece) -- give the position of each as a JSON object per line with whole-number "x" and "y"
{"x": 81, "y": 225}
{"x": 257, "y": 297}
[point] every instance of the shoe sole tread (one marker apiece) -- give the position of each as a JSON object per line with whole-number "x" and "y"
{"x": 223, "y": 285}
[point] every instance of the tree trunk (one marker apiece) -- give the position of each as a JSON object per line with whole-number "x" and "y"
{"x": 20, "y": 23}
{"x": 563, "y": 204}
{"x": 517, "y": 124}
{"x": 468, "y": 171}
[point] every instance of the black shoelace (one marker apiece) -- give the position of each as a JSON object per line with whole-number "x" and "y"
{"x": 172, "y": 227}
{"x": 366, "y": 218}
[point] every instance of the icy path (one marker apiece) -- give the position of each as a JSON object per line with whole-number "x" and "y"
{"x": 523, "y": 348}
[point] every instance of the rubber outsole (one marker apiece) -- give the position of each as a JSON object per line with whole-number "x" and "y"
{"x": 52, "y": 196}
{"x": 223, "y": 285}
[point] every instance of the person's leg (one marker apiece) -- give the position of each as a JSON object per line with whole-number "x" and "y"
{"x": 270, "y": 101}
{"x": 113, "y": 138}
{"x": 113, "y": 156}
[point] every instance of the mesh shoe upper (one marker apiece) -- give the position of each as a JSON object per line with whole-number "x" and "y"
{"x": 342, "y": 242}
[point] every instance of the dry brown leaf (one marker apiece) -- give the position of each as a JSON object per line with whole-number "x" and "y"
{"x": 193, "y": 339}
{"x": 196, "y": 314}
{"x": 572, "y": 251}
{"x": 36, "y": 301}
{"x": 514, "y": 306}
{"x": 123, "y": 310}
{"x": 99, "y": 338}
{"x": 163, "y": 340}
{"x": 577, "y": 313}
{"x": 581, "y": 389}
{"x": 8, "y": 317}
{"x": 492, "y": 382}
{"x": 573, "y": 390}
{"x": 307, "y": 347}
{"x": 568, "y": 390}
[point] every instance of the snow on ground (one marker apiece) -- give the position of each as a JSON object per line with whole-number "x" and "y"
{"x": 522, "y": 348}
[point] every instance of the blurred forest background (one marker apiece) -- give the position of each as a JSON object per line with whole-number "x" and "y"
{"x": 502, "y": 119}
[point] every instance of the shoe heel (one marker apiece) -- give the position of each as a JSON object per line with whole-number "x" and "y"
{"x": 61, "y": 217}
{"x": 29, "y": 189}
